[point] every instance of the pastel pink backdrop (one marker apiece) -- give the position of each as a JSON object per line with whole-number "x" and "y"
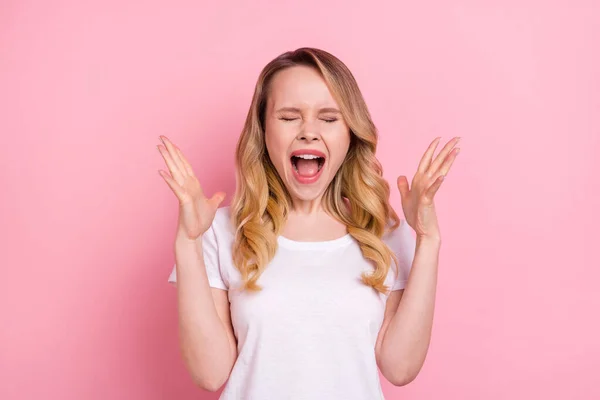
{"x": 87, "y": 222}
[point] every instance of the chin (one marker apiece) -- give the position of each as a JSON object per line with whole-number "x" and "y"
{"x": 307, "y": 195}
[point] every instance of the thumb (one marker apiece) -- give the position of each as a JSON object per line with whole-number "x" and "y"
{"x": 217, "y": 199}
{"x": 403, "y": 186}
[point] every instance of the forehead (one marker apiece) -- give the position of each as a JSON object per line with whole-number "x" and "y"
{"x": 299, "y": 86}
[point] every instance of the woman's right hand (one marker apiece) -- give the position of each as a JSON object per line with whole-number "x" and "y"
{"x": 196, "y": 211}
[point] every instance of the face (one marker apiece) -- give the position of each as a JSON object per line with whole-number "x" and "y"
{"x": 307, "y": 139}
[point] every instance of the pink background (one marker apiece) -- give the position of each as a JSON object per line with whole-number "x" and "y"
{"x": 87, "y": 223}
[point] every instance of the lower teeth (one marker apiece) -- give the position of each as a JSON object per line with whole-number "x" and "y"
{"x": 320, "y": 165}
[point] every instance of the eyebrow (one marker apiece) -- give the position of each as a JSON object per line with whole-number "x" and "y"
{"x": 322, "y": 110}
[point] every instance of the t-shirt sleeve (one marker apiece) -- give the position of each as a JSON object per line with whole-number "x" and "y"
{"x": 211, "y": 261}
{"x": 403, "y": 244}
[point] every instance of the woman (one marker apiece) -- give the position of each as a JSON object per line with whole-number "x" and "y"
{"x": 309, "y": 281}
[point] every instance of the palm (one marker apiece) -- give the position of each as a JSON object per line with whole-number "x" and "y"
{"x": 418, "y": 199}
{"x": 196, "y": 211}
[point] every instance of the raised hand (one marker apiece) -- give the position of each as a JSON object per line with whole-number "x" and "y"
{"x": 196, "y": 211}
{"x": 417, "y": 202}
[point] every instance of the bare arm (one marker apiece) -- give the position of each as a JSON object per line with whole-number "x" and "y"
{"x": 405, "y": 334}
{"x": 206, "y": 338}
{"x": 207, "y": 342}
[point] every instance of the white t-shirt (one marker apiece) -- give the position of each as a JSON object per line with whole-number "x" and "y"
{"x": 311, "y": 332}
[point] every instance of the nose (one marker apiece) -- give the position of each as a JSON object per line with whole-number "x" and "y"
{"x": 309, "y": 133}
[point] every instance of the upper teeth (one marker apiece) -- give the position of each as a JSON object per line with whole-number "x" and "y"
{"x": 307, "y": 156}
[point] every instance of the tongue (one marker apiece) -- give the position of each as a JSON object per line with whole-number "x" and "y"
{"x": 307, "y": 167}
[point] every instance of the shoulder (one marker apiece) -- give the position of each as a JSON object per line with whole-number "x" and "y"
{"x": 222, "y": 218}
{"x": 221, "y": 229}
{"x": 400, "y": 236}
{"x": 401, "y": 241}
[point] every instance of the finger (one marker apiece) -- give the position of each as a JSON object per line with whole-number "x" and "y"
{"x": 435, "y": 165}
{"x": 186, "y": 164}
{"x": 173, "y": 169}
{"x": 172, "y": 184}
{"x": 402, "y": 183}
{"x": 174, "y": 154}
{"x": 426, "y": 159}
{"x": 445, "y": 168}
{"x": 432, "y": 190}
{"x": 217, "y": 198}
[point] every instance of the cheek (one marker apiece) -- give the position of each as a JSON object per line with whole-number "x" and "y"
{"x": 276, "y": 147}
{"x": 341, "y": 144}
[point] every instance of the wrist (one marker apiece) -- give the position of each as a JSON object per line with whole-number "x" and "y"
{"x": 432, "y": 240}
{"x": 184, "y": 240}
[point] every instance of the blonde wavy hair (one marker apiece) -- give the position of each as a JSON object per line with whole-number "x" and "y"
{"x": 358, "y": 195}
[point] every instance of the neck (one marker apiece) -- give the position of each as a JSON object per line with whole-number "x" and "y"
{"x": 307, "y": 207}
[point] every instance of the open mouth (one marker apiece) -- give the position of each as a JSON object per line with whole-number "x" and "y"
{"x": 307, "y": 164}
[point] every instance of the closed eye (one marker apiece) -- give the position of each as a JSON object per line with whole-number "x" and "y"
{"x": 293, "y": 119}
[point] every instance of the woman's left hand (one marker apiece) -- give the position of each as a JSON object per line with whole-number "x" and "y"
{"x": 417, "y": 202}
